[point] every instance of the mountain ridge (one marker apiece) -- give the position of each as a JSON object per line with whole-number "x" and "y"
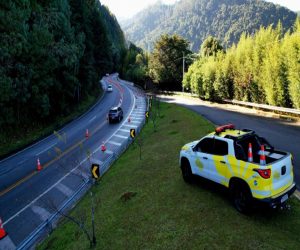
{"x": 197, "y": 19}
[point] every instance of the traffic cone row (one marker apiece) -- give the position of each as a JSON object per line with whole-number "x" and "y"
{"x": 103, "y": 148}
{"x": 2, "y": 231}
{"x": 262, "y": 159}
{"x": 38, "y": 165}
{"x": 250, "y": 155}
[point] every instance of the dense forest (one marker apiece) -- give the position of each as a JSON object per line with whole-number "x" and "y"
{"x": 263, "y": 68}
{"x": 52, "y": 55}
{"x": 195, "y": 20}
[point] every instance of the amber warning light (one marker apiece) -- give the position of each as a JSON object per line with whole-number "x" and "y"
{"x": 224, "y": 127}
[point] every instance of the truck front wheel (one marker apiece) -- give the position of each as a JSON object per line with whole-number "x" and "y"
{"x": 186, "y": 171}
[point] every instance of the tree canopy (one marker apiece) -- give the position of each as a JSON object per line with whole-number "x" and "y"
{"x": 263, "y": 68}
{"x": 210, "y": 47}
{"x": 52, "y": 54}
{"x": 166, "y": 61}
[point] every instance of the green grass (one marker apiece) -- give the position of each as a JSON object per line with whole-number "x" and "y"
{"x": 166, "y": 212}
{"x": 15, "y": 140}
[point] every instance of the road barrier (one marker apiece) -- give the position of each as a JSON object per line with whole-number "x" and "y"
{"x": 288, "y": 111}
{"x": 264, "y": 107}
{"x": 47, "y": 226}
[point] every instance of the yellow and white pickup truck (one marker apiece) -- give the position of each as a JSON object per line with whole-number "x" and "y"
{"x": 235, "y": 159}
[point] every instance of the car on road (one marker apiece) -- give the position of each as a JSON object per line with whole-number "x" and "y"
{"x": 115, "y": 114}
{"x": 109, "y": 88}
{"x": 243, "y": 162}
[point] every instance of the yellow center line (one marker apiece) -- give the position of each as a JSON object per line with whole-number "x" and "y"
{"x": 47, "y": 164}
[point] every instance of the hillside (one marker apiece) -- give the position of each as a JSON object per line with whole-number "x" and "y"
{"x": 197, "y": 19}
{"x": 52, "y": 56}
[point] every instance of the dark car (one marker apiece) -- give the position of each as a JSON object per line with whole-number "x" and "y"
{"x": 115, "y": 114}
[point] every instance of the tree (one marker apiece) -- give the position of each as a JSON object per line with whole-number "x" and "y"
{"x": 165, "y": 65}
{"x": 52, "y": 49}
{"x": 210, "y": 47}
{"x": 291, "y": 50}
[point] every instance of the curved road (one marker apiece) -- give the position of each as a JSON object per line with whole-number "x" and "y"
{"x": 282, "y": 134}
{"x": 29, "y": 197}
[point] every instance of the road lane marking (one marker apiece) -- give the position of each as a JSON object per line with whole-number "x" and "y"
{"x": 21, "y": 162}
{"x": 121, "y": 136}
{"x": 63, "y": 177}
{"x": 109, "y": 152}
{"x": 92, "y": 119}
{"x": 44, "y": 150}
{"x": 136, "y": 122}
{"x": 115, "y": 143}
{"x": 64, "y": 189}
{"x": 138, "y": 117}
{"x": 130, "y": 126}
{"x": 58, "y": 157}
{"x": 42, "y": 212}
{"x": 123, "y": 130}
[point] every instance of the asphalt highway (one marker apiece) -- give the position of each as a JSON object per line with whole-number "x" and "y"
{"x": 282, "y": 134}
{"x": 29, "y": 197}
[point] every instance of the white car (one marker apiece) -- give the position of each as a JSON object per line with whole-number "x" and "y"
{"x": 109, "y": 88}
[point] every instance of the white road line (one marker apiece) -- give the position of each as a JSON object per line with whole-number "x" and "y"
{"x": 130, "y": 126}
{"x": 41, "y": 212}
{"x": 115, "y": 143}
{"x": 122, "y": 136}
{"x": 96, "y": 161}
{"x": 136, "y": 122}
{"x": 140, "y": 117}
{"x": 45, "y": 149}
{"x": 124, "y": 130}
{"x": 92, "y": 119}
{"x": 64, "y": 189}
{"x": 109, "y": 152}
{"x": 62, "y": 178}
{"x": 21, "y": 162}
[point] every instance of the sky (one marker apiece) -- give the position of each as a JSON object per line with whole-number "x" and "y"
{"x": 124, "y": 9}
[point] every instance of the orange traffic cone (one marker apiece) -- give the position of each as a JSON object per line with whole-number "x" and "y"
{"x": 262, "y": 160}
{"x": 129, "y": 120}
{"x": 103, "y": 148}
{"x": 38, "y": 165}
{"x": 86, "y": 133}
{"x": 250, "y": 156}
{"x": 2, "y": 231}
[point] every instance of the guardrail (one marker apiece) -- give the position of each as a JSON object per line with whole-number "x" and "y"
{"x": 265, "y": 107}
{"x": 275, "y": 109}
{"x": 47, "y": 226}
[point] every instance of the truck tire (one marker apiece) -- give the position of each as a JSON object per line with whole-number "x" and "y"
{"x": 241, "y": 196}
{"x": 186, "y": 171}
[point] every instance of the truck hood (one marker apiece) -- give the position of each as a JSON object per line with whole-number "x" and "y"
{"x": 189, "y": 146}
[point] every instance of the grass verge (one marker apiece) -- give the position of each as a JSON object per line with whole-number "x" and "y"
{"x": 16, "y": 140}
{"x": 165, "y": 212}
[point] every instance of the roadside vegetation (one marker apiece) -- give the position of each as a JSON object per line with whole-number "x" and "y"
{"x": 52, "y": 56}
{"x": 261, "y": 68}
{"x": 145, "y": 204}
